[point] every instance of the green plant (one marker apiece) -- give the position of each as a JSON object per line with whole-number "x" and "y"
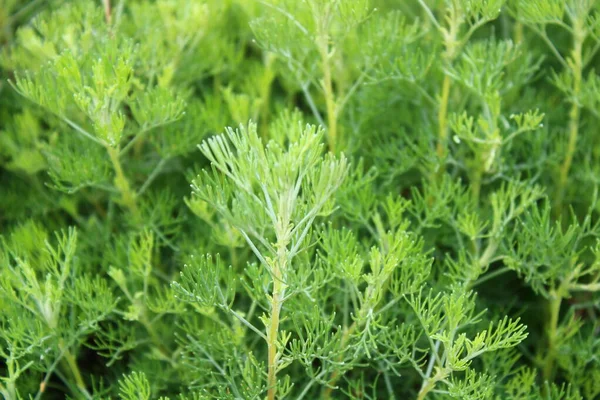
{"x": 250, "y": 199}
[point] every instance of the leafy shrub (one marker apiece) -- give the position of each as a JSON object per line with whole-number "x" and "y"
{"x": 248, "y": 199}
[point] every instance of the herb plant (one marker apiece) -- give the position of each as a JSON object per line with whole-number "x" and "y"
{"x": 269, "y": 199}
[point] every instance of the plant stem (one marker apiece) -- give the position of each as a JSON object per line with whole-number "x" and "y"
{"x": 443, "y": 119}
{"x": 362, "y": 313}
{"x": 518, "y": 32}
{"x": 576, "y": 66}
{"x": 335, "y": 374}
{"x": 489, "y": 252}
{"x": 272, "y": 342}
{"x": 328, "y": 89}
{"x": 476, "y": 178}
{"x": 451, "y": 48}
{"x": 72, "y": 363}
{"x": 371, "y": 301}
{"x": 273, "y": 330}
{"x": 128, "y": 196}
{"x": 8, "y": 391}
{"x": 489, "y": 276}
{"x": 426, "y": 389}
{"x": 554, "y": 308}
{"x": 157, "y": 170}
{"x": 429, "y": 384}
{"x": 74, "y": 368}
{"x": 333, "y": 378}
{"x": 155, "y": 339}
{"x": 138, "y": 146}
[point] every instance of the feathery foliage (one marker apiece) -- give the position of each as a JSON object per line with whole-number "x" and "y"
{"x": 250, "y": 199}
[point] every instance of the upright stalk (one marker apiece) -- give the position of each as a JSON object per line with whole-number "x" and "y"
{"x": 554, "y": 311}
{"x": 485, "y": 156}
{"x": 366, "y": 307}
{"x": 443, "y": 118}
{"x": 71, "y": 364}
{"x": 9, "y": 391}
{"x": 476, "y": 177}
{"x": 273, "y": 329}
{"x": 74, "y": 368}
{"x": 429, "y": 384}
{"x": 577, "y": 70}
{"x": 335, "y": 376}
{"x": 329, "y": 99}
{"x": 518, "y": 32}
{"x": 426, "y": 388}
{"x": 128, "y": 196}
{"x": 450, "y": 44}
{"x": 323, "y": 44}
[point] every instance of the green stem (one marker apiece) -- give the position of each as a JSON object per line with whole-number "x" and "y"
{"x": 328, "y": 90}
{"x": 128, "y": 196}
{"x": 554, "y": 310}
{"x": 476, "y": 178}
{"x": 489, "y": 252}
{"x": 426, "y": 389}
{"x": 369, "y": 304}
{"x": 74, "y": 369}
{"x": 484, "y": 261}
{"x": 577, "y": 70}
{"x": 156, "y": 340}
{"x": 273, "y": 329}
{"x": 157, "y": 170}
{"x": 335, "y": 376}
{"x": 451, "y": 46}
{"x": 489, "y": 276}
{"x": 518, "y": 32}
{"x": 429, "y": 384}
{"x": 272, "y": 342}
{"x": 443, "y": 119}
{"x": 72, "y": 363}
{"x": 10, "y": 390}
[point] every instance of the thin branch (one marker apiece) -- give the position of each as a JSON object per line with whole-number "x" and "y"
{"x": 472, "y": 30}
{"x": 563, "y": 25}
{"x": 130, "y": 144}
{"x": 350, "y": 92}
{"x": 72, "y": 124}
{"x": 152, "y": 176}
{"x": 269, "y": 209}
{"x": 288, "y": 15}
{"x": 489, "y": 276}
{"x": 164, "y": 238}
{"x": 220, "y": 369}
{"x": 82, "y": 131}
{"x": 544, "y": 37}
{"x": 586, "y": 287}
{"x": 430, "y": 15}
{"x": 256, "y": 252}
{"x": 311, "y": 104}
{"x": 247, "y": 323}
{"x": 309, "y": 385}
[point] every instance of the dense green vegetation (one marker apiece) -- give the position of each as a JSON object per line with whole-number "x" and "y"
{"x": 268, "y": 199}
